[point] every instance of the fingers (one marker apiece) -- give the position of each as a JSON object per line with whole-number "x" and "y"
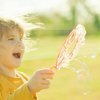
{"x": 46, "y": 71}
{"x": 46, "y": 76}
{"x": 45, "y": 84}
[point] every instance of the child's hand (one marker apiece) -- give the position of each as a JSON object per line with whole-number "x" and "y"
{"x": 40, "y": 80}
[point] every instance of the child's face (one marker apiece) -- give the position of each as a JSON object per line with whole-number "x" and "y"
{"x": 11, "y": 50}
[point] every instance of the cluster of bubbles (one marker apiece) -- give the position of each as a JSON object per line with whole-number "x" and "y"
{"x": 83, "y": 75}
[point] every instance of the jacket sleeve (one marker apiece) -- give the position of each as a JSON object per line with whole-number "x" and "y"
{"x": 22, "y": 93}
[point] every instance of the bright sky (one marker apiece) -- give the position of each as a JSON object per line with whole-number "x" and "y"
{"x": 19, "y": 7}
{"x": 16, "y": 7}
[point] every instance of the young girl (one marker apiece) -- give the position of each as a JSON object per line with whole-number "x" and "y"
{"x": 15, "y": 85}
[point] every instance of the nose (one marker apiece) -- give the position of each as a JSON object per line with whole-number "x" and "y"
{"x": 20, "y": 45}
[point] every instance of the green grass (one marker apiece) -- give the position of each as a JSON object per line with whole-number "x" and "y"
{"x": 64, "y": 85}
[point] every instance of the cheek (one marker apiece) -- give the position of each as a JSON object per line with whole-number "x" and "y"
{"x": 2, "y": 49}
{"x": 22, "y": 47}
{"x": 5, "y": 51}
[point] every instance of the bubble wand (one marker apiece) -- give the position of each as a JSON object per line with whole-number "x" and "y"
{"x": 71, "y": 46}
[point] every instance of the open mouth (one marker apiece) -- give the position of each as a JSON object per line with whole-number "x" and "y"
{"x": 17, "y": 55}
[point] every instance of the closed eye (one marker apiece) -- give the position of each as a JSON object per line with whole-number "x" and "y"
{"x": 11, "y": 39}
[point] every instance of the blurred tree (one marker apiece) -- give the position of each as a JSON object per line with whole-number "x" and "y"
{"x": 56, "y": 24}
{"x": 73, "y": 10}
{"x": 90, "y": 17}
{"x": 95, "y": 16}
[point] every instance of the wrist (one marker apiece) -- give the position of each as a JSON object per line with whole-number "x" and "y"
{"x": 32, "y": 91}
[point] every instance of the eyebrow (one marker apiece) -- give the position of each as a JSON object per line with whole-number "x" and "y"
{"x": 11, "y": 35}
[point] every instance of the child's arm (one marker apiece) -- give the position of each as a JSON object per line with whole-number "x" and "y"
{"x": 22, "y": 93}
{"x": 39, "y": 81}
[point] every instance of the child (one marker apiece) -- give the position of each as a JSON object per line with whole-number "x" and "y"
{"x": 15, "y": 85}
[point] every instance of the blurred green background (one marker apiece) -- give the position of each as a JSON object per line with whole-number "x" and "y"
{"x": 48, "y": 37}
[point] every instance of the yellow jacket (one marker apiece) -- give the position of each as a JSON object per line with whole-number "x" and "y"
{"x": 15, "y": 88}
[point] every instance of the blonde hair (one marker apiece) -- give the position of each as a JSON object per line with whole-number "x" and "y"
{"x": 8, "y": 25}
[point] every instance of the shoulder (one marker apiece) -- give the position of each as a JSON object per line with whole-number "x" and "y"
{"x": 3, "y": 81}
{"x": 2, "y": 78}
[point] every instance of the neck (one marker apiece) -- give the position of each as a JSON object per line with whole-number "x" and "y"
{"x": 7, "y": 71}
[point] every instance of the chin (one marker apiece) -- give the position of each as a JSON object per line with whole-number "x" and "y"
{"x": 16, "y": 65}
